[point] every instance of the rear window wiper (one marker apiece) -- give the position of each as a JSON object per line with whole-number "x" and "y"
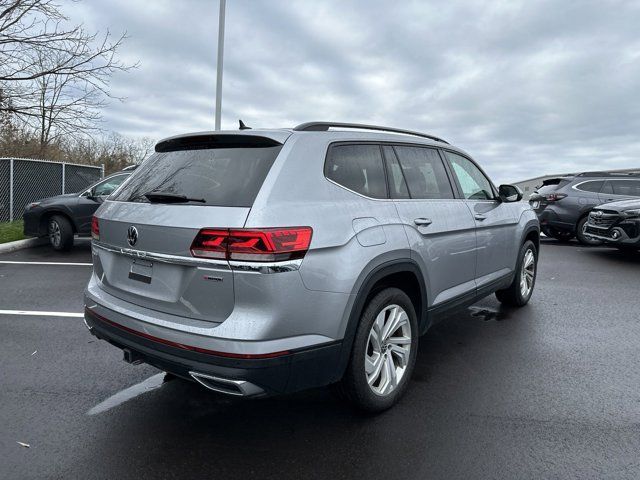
{"x": 170, "y": 197}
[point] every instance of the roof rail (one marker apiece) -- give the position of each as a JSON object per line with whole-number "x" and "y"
{"x": 609, "y": 174}
{"x": 324, "y": 126}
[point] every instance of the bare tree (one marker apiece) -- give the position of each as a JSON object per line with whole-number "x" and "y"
{"x": 52, "y": 73}
{"x": 67, "y": 104}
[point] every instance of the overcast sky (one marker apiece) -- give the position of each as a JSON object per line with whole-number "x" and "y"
{"x": 527, "y": 88}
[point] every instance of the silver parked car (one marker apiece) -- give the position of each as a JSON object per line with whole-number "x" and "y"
{"x": 268, "y": 261}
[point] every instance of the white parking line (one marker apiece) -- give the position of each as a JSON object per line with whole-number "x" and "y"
{"x": 75, "y": 264}
{"x": 41, "y": 314}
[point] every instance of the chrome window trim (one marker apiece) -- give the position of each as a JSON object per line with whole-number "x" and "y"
{"x": 241, "y": 266}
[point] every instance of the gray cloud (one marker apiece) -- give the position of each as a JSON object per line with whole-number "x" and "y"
{"x": 526, "y": 87}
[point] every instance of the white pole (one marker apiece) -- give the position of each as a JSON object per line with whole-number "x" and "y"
{"x": 219, "y": 68}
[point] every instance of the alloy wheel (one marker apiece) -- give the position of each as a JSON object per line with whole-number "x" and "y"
{"x": 388, "y": 350}
{"x": 528, "y": 273}
{"x": 54, "y": 233}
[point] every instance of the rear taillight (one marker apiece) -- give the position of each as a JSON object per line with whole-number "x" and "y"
{"x": 95, "y": 228}
{"x": 256, "y": 245}
{"x": 553, "y": 197}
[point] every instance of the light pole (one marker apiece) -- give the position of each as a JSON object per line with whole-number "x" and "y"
{"x": 219, "y": 68}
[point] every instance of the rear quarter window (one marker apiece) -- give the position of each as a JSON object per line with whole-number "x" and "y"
{"x": 358, "y": 168}
{"x": 227, "y": 177}
{"x": 593, "y": 186}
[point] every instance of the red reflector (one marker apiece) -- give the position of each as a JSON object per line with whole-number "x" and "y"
{"x": 246, "y": 356}
{"x": 95, "y": 228}
{"x": 258, "y": 245}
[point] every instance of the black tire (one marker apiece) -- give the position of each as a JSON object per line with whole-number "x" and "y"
{"x": 60, "y": 233}
{"x": 513, "y": 295}
{"x": 354, "y": 385}
{"x": 582, "y": 238}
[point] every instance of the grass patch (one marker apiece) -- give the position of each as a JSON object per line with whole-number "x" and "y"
{"x": 10, "y": 231}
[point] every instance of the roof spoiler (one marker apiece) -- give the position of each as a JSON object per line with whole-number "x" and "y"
{"x": 212, "y": 140}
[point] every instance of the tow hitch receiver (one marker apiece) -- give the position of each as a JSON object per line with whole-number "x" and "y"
{"x": 131, "y": 357}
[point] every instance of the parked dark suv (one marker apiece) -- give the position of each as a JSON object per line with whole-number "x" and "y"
{"x": 563, "y": 204}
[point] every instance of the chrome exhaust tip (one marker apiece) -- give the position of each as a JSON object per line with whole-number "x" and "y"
{"x": 240, "y": 388}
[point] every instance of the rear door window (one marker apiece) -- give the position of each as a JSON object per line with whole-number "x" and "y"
{"x": 226, "y": 177}
{"x": 424, "y": 172}
{"x": 626, "y": 188}
{"x": 358, "y": 168}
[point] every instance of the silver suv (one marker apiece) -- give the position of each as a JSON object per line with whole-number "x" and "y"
{"x": 269, "y": 261}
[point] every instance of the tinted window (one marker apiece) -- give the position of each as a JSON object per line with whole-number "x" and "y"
{"x": 358, "y": 168}
{"x": 551, "y": 185}
{"x": 628, "y": 188}
{"x": 228, "y": 177}
{"x": 108, "y": 186}
{"x": 475, "y": 186}
{"x": 594, "y": 186}
{"x": 397, "y": 184}
{"x": 424, "y": 172}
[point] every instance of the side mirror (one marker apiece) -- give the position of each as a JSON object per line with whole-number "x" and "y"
{"x": 509, "y": 193}
{"x": 91, "y": 195}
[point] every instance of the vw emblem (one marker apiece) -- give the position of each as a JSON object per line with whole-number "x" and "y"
{"x": 598, "y": 213}
{"x": 132, "y": 235}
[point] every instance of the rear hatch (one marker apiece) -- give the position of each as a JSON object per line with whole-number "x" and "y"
{"x": 142, "y": 250}
{"x": 547, "y": 193}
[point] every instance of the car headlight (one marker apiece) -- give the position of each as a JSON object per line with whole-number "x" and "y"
{"x": 32, "y": 205}
{"x": 633, "y": 213}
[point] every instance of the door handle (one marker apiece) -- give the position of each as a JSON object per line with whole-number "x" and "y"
{"x": 424, "y": 222}
{"x": 480, "y": 217}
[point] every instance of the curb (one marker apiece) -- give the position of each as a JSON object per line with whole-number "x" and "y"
{"x": 20, "y": 244}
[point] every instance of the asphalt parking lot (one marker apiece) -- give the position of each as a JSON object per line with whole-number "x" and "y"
{"x": 548, "y": 391}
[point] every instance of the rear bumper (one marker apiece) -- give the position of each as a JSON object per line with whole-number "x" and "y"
{"x": 279, "y": 372}
{"x": 549, "y": 218}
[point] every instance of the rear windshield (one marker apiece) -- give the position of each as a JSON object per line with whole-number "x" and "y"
{"x": 552, "y": 185}
{"x": 226, "y": 177}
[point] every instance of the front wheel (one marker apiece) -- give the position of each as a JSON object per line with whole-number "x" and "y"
{"x": 384, "y": 352}
{"x": 520, "y": 290}
{"x": 60, "y": 233}
{"x": 582, "y": 238}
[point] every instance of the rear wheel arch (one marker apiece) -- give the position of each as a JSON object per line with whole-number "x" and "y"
{"x": 404, "y": 274}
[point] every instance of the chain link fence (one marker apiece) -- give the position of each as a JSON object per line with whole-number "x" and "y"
{"x": 24, "y": 180}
